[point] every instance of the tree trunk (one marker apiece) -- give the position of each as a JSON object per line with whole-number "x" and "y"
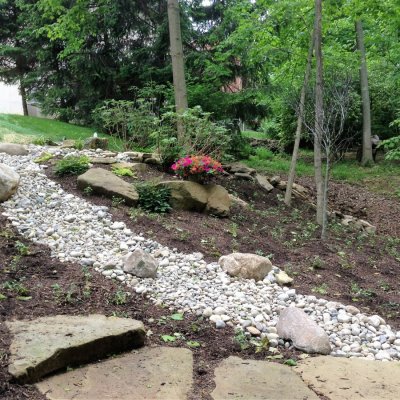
{"x": 23, "y": 98}
{"x": 292, "y": 172}
{"x": 178, "y": 70}
{"x": 366, "y": 107}
{"x": 319, "y": 112}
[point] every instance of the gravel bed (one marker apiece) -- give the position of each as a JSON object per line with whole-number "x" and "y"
{"x": 78, "y": 231}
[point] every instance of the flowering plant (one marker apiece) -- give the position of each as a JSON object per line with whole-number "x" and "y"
{"x": 200, "y": 166}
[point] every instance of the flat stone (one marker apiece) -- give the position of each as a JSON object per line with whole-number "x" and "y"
{"x": 47, "y": 344}
{"x": 344, "y": 379}
{"x": 13, "y": 149}
{"x": 147, "y": 374}
{"x": 263, "y": 182}
{"x": 249, "y": 379}
{"x": 106, "y": 183}
{"x": 103, "y": 160}
{"x": 306, "y": 334}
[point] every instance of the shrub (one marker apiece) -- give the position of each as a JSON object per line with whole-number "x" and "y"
{"x": 154, "y": 198}
{"x": 133, "y": 122}
{"x": 393, "y": 147}
{"x": 200, "y": 135}
{"x": 72, "y": 165}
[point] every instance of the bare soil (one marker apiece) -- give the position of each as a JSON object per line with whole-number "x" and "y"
{"x": 348, "y": 266}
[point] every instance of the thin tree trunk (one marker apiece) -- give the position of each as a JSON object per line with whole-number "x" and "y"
{"x": 292, "y": 171}
{"x": 178, "y": 69}
{"x": 23, "y": 98}
{"x": 319, "y": 111}
{"x": 366, "y": 107}
{"x": 325, "y": 201}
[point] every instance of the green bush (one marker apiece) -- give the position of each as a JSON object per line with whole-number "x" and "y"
{"x": 123, "y": 172}
{"x": 72, "y": 165}
{"x": 153, "y": 198}
{"x": 200, "y": 136}
{"x": 393, "y": 148}
{"x": 133, "y": 122}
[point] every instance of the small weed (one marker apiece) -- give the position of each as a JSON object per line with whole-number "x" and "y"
{"x": 154, "y": 198}
{"x": 321, "y": 289}
{"x": 79, "y": 144}
{"x": 384, "y": 286}
{"x": 23, "y": 249}
{"x": 241, "y": 340}
{"x": 177, "y": 317}
{"x": 168, "y": 338}
{"x": 117, "y": 202}
{"x": 358, "y": 292}
{"x": 88, "y": 191}
{"x": 17, "y": 287}
{"x": 120, "y": 298}
{"x": 193, "y": 344}
{"x": 317, "y": 262}
{"x": 120, "y": 314}
{"x": 233, "y": 229}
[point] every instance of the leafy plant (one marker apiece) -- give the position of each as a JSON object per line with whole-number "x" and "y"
{"x": 241, "y": 340}
{"x": 154, "y": 198}
{"x": 193, "y": 344}
{"x": 120, "y": 298}
{"x": 123, "y": 172}
{"x": 177, "y": 317}
{"x": 88, "y": 191}
{"x": 117, "y": 201}
{"x": 321, "y": 289}
{"x": 17, "y": 287}
{"x": 22, "y": 248}
{"x": 168, "y": 338}
{"x": 72, "y": 165}
{"x": 44, "y": 157}
{"x": 79, "y": 144}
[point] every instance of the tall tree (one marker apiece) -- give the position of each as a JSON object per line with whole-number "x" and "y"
{"x": 319, "y": 112}
{"x": 178, "y": 66}
{"x": 367, "y": 157}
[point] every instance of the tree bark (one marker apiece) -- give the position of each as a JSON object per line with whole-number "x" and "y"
{"x": 292, "y": 171}
{"x": 178, "y": 69}
{"x": 319, "y": 112}
{"x": 366, "y": 107}
{"x": 23, "y": 98}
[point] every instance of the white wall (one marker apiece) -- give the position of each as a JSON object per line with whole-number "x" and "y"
{"x": 10, "y": 100}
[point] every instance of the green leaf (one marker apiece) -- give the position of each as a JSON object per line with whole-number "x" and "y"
{"x": 2, "y": 297}
{"x": 168, "y": 338}
{"x": 290, "y": 362}
{"x": 177, "y": 317}
{"x": 192, "y": 343}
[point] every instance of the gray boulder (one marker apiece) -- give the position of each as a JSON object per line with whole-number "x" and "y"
{"x": 9, "y": 181}
{"x": 246, "y": 265}
{"x": 13, "y": 149}
{"x": 263, "y": 182}
{"x": 218, "y": 200}
{"x": 140, "y": 264}
{"x": 47, "y": 344}
{"x": 96, "y": 143}
{"x": 108, "y": 184}
{"x": 306, "y": 334}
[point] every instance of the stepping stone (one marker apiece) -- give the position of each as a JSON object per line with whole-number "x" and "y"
{"x": 45, "y": 345}
{"x": 351, "y": 379}
{"x": 108, "y": 184}
{"x": 250, "y": 380}
{"x": 163, "y": 373}
{"x": 13, "y": 149}
{"x": 103, "y": 160}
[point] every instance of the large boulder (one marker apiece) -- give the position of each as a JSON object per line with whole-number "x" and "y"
{"x": 13, "y": 149}
{"x": 9, "y": 181}
{"x": 294, "y": 324}
{"x": 106, "y": 183}
{"x": 246, "y": 265}
{"x": 95, "y": 142}
{"x": 140, "y": 264}
{"x": 47, "y": 344}
{"x": 263, "y": 182}
{"x": 192, "y": 196}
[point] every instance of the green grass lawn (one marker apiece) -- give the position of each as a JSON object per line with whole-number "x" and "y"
{"x": 21, "y": 129}
{"x": 383, "y": 177}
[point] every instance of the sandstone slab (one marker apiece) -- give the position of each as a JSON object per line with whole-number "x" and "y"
{"x": 305, "y": 333}
{"x": 103, "y": 160}
{"x": 13, "y": 149}
{"x": 351, "y": 379}
{"x": 47, "y": 344}
{"x": 9, "y": 181}
{"x": 108, "y": 184}
{"x": 159, "y": 373}
{"x": 263, "y": 182}
{"x": 246, "y": 265}
{"x": 218, "y": 201}
{"x": 250, "y": 380}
